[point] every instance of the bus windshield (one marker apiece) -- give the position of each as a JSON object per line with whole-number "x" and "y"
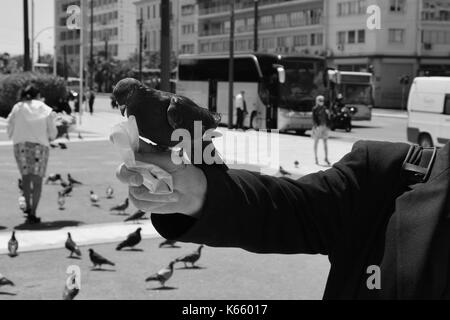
{"x": 357, "y": 94}
{"x": 304, "y": 81}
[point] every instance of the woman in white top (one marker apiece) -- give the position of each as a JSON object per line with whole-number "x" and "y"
{"x": 31, "y": 126}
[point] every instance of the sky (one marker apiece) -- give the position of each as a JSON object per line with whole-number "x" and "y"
{"x": 11, "y": 25}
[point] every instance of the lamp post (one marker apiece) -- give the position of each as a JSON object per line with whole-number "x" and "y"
{"x": 255, "y": 25}
{"x": 231, "y": 69}
{"x": 140, "y": 24}
{"x": 26, "y": 38}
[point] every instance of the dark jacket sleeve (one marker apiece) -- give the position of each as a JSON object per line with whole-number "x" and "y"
{"x": 265, "y": 214}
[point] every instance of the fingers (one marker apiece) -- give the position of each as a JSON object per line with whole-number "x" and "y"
{"x": 129, "y": 177}
{"x": 148, "y": 205}
{"x": 142, "y": 194}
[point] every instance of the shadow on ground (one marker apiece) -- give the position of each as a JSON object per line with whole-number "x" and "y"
{"x": 51, "y": 225}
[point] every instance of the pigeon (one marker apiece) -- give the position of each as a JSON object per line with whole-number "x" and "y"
{"x": 296, "y": 163}
{"x": 132, "y": 240}
{"x": 22, "y": 203}
{"x": 79, "y": 136}
{"x": 162, "y": 275}
{"x": 159, "y": 113}
{"x": 138, "y": 215}
{"x": 53, "y": 146}
{"x": 5, "y": 281}
{"x": 72, "y": 246}
{"x": 67, "y": 190}
{"x": 109, "y": 192}
{"x": 62, "y": 145}
{"x": 94, "y": 198}
{"x": 20, "y": 184}
{"x": 64, "y": 184}
{"x": 70, "y": 293}
{"x": 61, "y": 200}
{"x": 121, "y": 207}
{"x": 13, "y": 245}
{"x": 191, "y": 258}
{"x": 53, "y": 178}
{"x": 72, "y": 180}
{"x": 284, "y": 172}
{"x": 170, "y": 243}
{"x": 98, "y": 260}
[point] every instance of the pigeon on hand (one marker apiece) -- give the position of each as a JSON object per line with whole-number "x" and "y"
{"x": 170, "y": 243}
{"x": 162, "y": 275}
{"x": 72, "y": 246}
{"x": 53, "y": 178}
{"x": 61, "y": 200}
{"x": 98, "y": 260}
{"x": 22, "y": 203}
{"x": 5, "y": 281}
{"x": 71, "y": 292}
{"x": 138, "y": 215}
{"x": 94, "y": 198}
{"x": 158, "y": 114}
{"x": 72, "y": 180}
{"x": 132, "y": 240}
{"x": 191, "y": 258}
{"x": 121, "y": 207}
{"x": 67, "y": 191}
{"x": 109, "y": 192}
{"x": 13, "y": 245}
{"x": 284, "y": 172}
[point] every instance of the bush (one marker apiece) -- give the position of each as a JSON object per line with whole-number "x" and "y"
{"x": 52, "y": 89}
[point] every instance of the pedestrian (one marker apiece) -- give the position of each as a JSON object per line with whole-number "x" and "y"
{"x": 241, "y": 110}
{"x": 320, "y": 128}
{"x": 339, "y": 103}
{"x": 31, "y": 126}
{"x": 91, "y": 101}
{"x": 114, "y": 104}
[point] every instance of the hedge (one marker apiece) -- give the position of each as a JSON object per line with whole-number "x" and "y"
{"x": 52, "y": 89}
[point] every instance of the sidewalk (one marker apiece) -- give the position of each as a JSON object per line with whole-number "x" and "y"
{"x": 390, "y": 113}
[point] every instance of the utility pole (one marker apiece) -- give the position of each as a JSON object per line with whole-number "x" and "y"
{"x": 91, "y": 53}
{"x": 231, "y": 70}
{"x": 65, "y": 62}
{"x": 140, "y": 24}
{"x": 32, "y": 35}
{"x": 81, "y": 60}
{"x": 106, "y": 48}
{"x": 165, "y": 45}
{"x": 38, "y": 52}
{"x": 26, "y": 38}
{"x": 255, "y": 30}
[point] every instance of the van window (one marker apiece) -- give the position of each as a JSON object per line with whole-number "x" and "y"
{"x": 447, "y": 104}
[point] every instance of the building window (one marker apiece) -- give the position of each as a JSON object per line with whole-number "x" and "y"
{"x": 355, "y": 7}
{"x": 187, "y": 9}
{"x": 352, "y": 37}
{"x": 282, "y": 42}
{"x": 396, "y": 35}
{"x": 281, "y": 20}
{"x": 268, "y": 43}
{"x": 361, "y": 36}
{"x": 397, "y": 6}
{"x": 301, "y": 40}
{"x": 341, "y": 37}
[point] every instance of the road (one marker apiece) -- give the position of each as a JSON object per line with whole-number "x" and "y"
{"x": 227, "y": 273}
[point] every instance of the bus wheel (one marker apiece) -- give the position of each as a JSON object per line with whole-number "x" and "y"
{"x": 300, "y": 132}
{"x": 253, "y": 124}
{"x": 425, "y": 140}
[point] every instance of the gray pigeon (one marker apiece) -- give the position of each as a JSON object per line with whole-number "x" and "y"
{"x": 99, "y": 260}
{"x": 167, "y": 243}
{"x": 121, "y": 207}
{"x": 72, "y": 246}
{"x": 5, "y": 281}
{"x": 191, "y": 258}
{"x": 132, "y": 240}
{"x": 162, "y": 275}
{"x": 138, "y": 215}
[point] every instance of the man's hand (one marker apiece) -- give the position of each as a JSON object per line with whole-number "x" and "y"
{"x": 189, "y": 184}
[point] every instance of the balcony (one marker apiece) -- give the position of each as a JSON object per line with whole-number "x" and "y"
{"x": 209, "y": 7}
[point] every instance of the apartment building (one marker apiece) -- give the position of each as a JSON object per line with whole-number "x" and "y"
{"x": 115, "y": 28}
{"x": 187, "y": 26}
{"x": 413, "y": 39}
{"x": 285, "y": 26}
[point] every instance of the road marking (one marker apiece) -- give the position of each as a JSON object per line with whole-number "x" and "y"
{"x": 32, "y": 240}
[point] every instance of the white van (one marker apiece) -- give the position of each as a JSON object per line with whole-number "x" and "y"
{"x": 429, "y": 111}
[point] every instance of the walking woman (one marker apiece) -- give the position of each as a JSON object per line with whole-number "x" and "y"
{"x": 31, "y": 126}
{"x": 320, "y": 127}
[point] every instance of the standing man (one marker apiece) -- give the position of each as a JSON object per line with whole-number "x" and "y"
{"x": 320, "y": 128}
{"x": 241, "y": 110}
{"x": 91, "y": 101}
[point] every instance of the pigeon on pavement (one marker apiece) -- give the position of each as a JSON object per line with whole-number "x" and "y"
{"x": 53, "y": 178}
{"x": 72, "y": 246}
{"x": 5, "y": 281}
{"x": 98, "y": 260}
{"x": 13, "y": 245}
{"x": 296, "y": 163}
{"x": 72, "y": 180}
{"x": 121, "y": 207}
{"x": 284, "y": 172}
{"x": 138, "y": 215}
{"x": 162, "y": 275}
{"x": 191, "y": 258}
{"x": 62, "y": 145}
{"x": 67, "y": 191}
{"x": 132, "y": 240}
{"x": 169, "y": 243}
{"x": 94, "y": 198}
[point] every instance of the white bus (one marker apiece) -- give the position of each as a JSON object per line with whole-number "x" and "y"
{"x": 429, "y": 111}
{"x": 357, "y": 89}
{"x": 280, "y": 91}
